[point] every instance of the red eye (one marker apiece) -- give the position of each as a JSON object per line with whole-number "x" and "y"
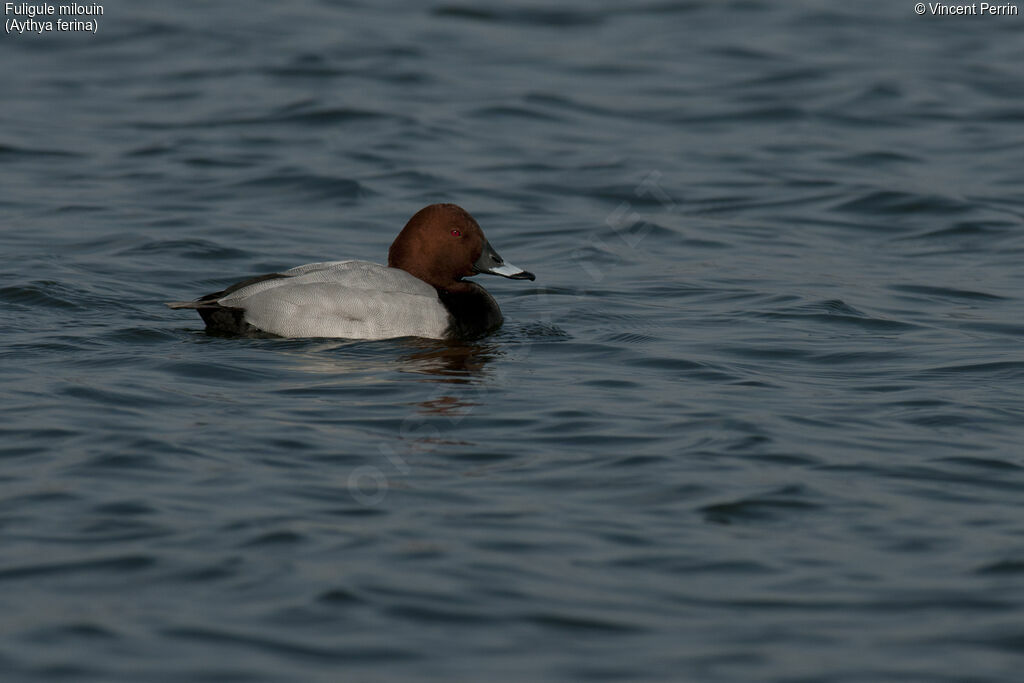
{"x": 456, "y": 233}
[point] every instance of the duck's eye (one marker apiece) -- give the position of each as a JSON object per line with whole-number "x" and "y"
{"x": 456, "y": 233}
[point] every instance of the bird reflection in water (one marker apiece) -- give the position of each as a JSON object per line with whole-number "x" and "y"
{"x": 452, "y": 363}
{"x": 458, "y": 368}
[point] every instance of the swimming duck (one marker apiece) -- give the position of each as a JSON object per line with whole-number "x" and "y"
{"x": 420, "y": 292}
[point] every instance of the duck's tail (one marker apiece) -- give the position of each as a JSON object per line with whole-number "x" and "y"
{"x": 223, "y": 320}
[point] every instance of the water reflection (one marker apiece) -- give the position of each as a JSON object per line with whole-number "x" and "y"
{"x": 454, "y": 366}
{"x": 450, "y": 362}
{"x": 459, "y": 369}
{"x": 436, "y": 360}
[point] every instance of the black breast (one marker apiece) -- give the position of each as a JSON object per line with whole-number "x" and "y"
{"x": 474, "y": 313}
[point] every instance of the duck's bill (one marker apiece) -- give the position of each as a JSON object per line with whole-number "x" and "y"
{"x": 492, "y": 264}
{"x": 511, "y": 272}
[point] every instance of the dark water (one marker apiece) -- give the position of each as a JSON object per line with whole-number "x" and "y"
{"x": 759, "y": 418}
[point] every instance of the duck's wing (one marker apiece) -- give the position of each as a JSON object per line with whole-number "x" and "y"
{"x": 330, "y": 309}
{"x": 211, "y": 299}
{"x": 323, "y": 265}
{"x": 350, "y": 299}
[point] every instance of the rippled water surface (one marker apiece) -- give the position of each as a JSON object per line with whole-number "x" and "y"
{"x": 758, "y": 419}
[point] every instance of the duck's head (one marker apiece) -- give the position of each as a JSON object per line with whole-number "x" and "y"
{"x": 442, "y": 243}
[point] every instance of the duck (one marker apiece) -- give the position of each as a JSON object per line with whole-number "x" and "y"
{"x": 421, "y": 292}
